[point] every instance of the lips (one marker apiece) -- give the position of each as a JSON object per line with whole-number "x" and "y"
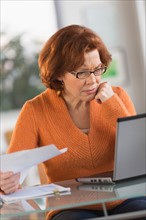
{"x": 90, "y": 91}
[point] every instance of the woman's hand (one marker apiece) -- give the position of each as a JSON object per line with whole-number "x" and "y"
{"x": 9, "y": 182}
{"x": 104, "y": 92}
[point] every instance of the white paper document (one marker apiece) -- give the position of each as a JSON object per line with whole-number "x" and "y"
{"x": 22, "y": 161}
{"x": 32, "y": 192}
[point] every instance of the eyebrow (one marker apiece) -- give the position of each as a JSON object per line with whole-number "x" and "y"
{"x": 84, "y": 68}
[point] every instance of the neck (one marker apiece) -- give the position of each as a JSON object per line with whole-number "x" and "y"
{"x": 74, "y": 104}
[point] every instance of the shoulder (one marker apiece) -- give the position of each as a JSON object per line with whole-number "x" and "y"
{"x": 119, "y": 91}
{"x": 39, "y": 100}
{"x": 35, "y": 104}
{"x": 42, "y": 101}
{"x": 124, "y": 97}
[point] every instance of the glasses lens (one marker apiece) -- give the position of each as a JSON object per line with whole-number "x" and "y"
{"x": 83, "y": 75}
{"x": 104, "y": 69}
{"x": 100, "y": 71}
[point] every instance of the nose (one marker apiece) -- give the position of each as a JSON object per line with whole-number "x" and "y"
{"x": 92, "y": 79}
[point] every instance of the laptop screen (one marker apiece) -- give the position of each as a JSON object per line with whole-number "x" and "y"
{"x": 130, "y": 150}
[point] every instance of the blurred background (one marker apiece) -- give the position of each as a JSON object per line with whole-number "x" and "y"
{"x": 26, "y": 26}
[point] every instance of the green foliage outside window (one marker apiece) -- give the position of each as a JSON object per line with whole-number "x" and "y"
{"x": 112, "y": 71}
{"x": 19, "y": 74}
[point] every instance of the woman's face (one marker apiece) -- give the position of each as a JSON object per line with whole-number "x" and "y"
{"x": 83, "y": 89}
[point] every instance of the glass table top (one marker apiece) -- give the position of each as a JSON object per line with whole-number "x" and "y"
{"x": 80, "y": 195}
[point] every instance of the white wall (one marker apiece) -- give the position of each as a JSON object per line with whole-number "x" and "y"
{"x": 36, "y": 19}
{"x": 121, "y": 24}
{"x": 141, "y": 12}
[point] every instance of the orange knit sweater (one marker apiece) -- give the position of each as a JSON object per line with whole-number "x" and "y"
{"x": 45, "y": 120}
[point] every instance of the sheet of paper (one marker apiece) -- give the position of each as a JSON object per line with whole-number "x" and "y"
{"x": 22, "y": 161}
{"x": 33, "y": 192}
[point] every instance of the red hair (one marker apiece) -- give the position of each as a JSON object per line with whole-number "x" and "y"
{"x": 64, "y": 52}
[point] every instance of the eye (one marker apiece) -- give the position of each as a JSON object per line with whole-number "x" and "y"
{"x": 83, "y": 74}
{"x": 99, "y": 70}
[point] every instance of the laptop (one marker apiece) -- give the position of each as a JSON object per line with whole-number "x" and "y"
{"x": 120, "y": 189}
{"x": 130, "y": 152}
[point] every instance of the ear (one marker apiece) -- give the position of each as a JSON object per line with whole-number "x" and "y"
{"x": 60, "y": 78}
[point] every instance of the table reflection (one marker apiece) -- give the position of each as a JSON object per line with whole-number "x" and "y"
{"x": 79, "y": 196}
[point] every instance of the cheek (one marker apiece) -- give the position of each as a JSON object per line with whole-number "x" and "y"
{"x": 98, "y": 79}
{"x": 76, "y": 87}
{"x": 73, "y": 85}
{"x": 74, "y": 82}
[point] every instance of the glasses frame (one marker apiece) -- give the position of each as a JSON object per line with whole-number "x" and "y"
{"x": 90, "y": 72}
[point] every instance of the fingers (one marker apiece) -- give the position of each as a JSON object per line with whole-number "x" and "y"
{"x": 5, "y": 175}
{"x": 104, "y": 92}
{"x": 9, "y": 181}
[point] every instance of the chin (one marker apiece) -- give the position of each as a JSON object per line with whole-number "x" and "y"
{"x": 89, "y": 98}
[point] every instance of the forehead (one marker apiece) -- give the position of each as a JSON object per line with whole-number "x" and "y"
{"x": 91, "y": 59}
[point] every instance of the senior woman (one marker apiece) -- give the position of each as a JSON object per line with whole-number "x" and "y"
{"x": 76, "y": 111}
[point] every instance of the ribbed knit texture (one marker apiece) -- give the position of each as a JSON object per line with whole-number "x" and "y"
{"x": 45, "y": 120}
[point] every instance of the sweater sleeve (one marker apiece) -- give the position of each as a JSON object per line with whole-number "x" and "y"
{"x": 25, "y": 135}
{"x": 119, "y": 105}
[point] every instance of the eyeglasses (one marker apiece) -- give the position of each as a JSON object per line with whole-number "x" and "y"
{"x": 84, "y": 74}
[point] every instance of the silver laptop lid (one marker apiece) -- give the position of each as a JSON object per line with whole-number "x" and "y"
{"x": 130, "y": 150}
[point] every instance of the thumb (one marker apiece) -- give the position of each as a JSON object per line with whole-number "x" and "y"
{"x": 97, "y": 98}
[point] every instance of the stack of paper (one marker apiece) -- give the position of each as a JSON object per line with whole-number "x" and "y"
{"x": 22, "y": 161}
{"x": 35, "y": 192}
